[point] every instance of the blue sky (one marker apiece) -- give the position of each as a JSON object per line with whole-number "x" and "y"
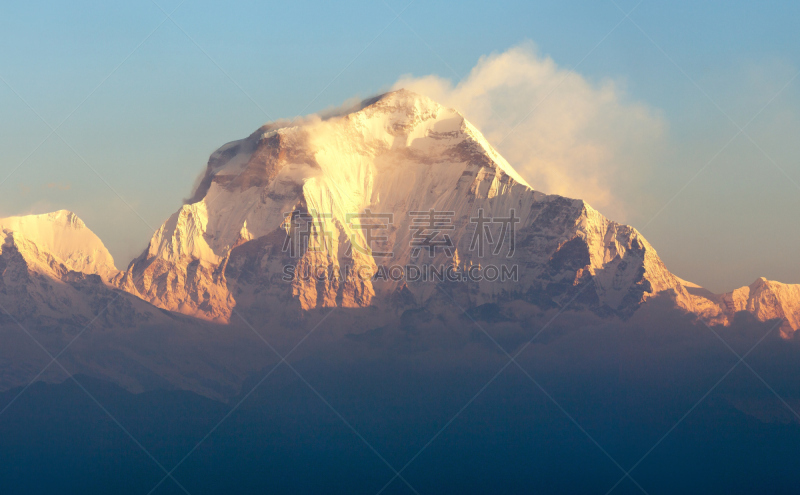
{"x": 162, "y": 97}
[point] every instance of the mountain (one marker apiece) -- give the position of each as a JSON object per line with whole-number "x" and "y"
{"x": 58, "y": 298}
{"x": 330, "y": 197}
{"x": 63, "y": 239}
{"x": 55, "y": 271}
{"x": 766, "y": 299}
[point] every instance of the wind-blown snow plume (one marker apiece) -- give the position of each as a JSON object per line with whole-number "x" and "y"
{"x": 563, "y": 133}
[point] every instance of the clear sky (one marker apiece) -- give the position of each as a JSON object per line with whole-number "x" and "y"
{"x": 147, "y": 99}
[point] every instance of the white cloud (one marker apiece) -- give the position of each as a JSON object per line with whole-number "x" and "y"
{"x": 563, "y": 133}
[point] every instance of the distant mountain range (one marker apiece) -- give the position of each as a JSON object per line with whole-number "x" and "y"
{"x": 398, "y": 207}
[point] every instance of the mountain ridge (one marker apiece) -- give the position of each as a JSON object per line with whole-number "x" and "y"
{"x": 396, "y": 154}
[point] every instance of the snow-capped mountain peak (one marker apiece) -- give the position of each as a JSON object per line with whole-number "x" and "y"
{"x": 394, "y": 156}
{"x": 62, "y": 235}
{"x": 396, "y": 153}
